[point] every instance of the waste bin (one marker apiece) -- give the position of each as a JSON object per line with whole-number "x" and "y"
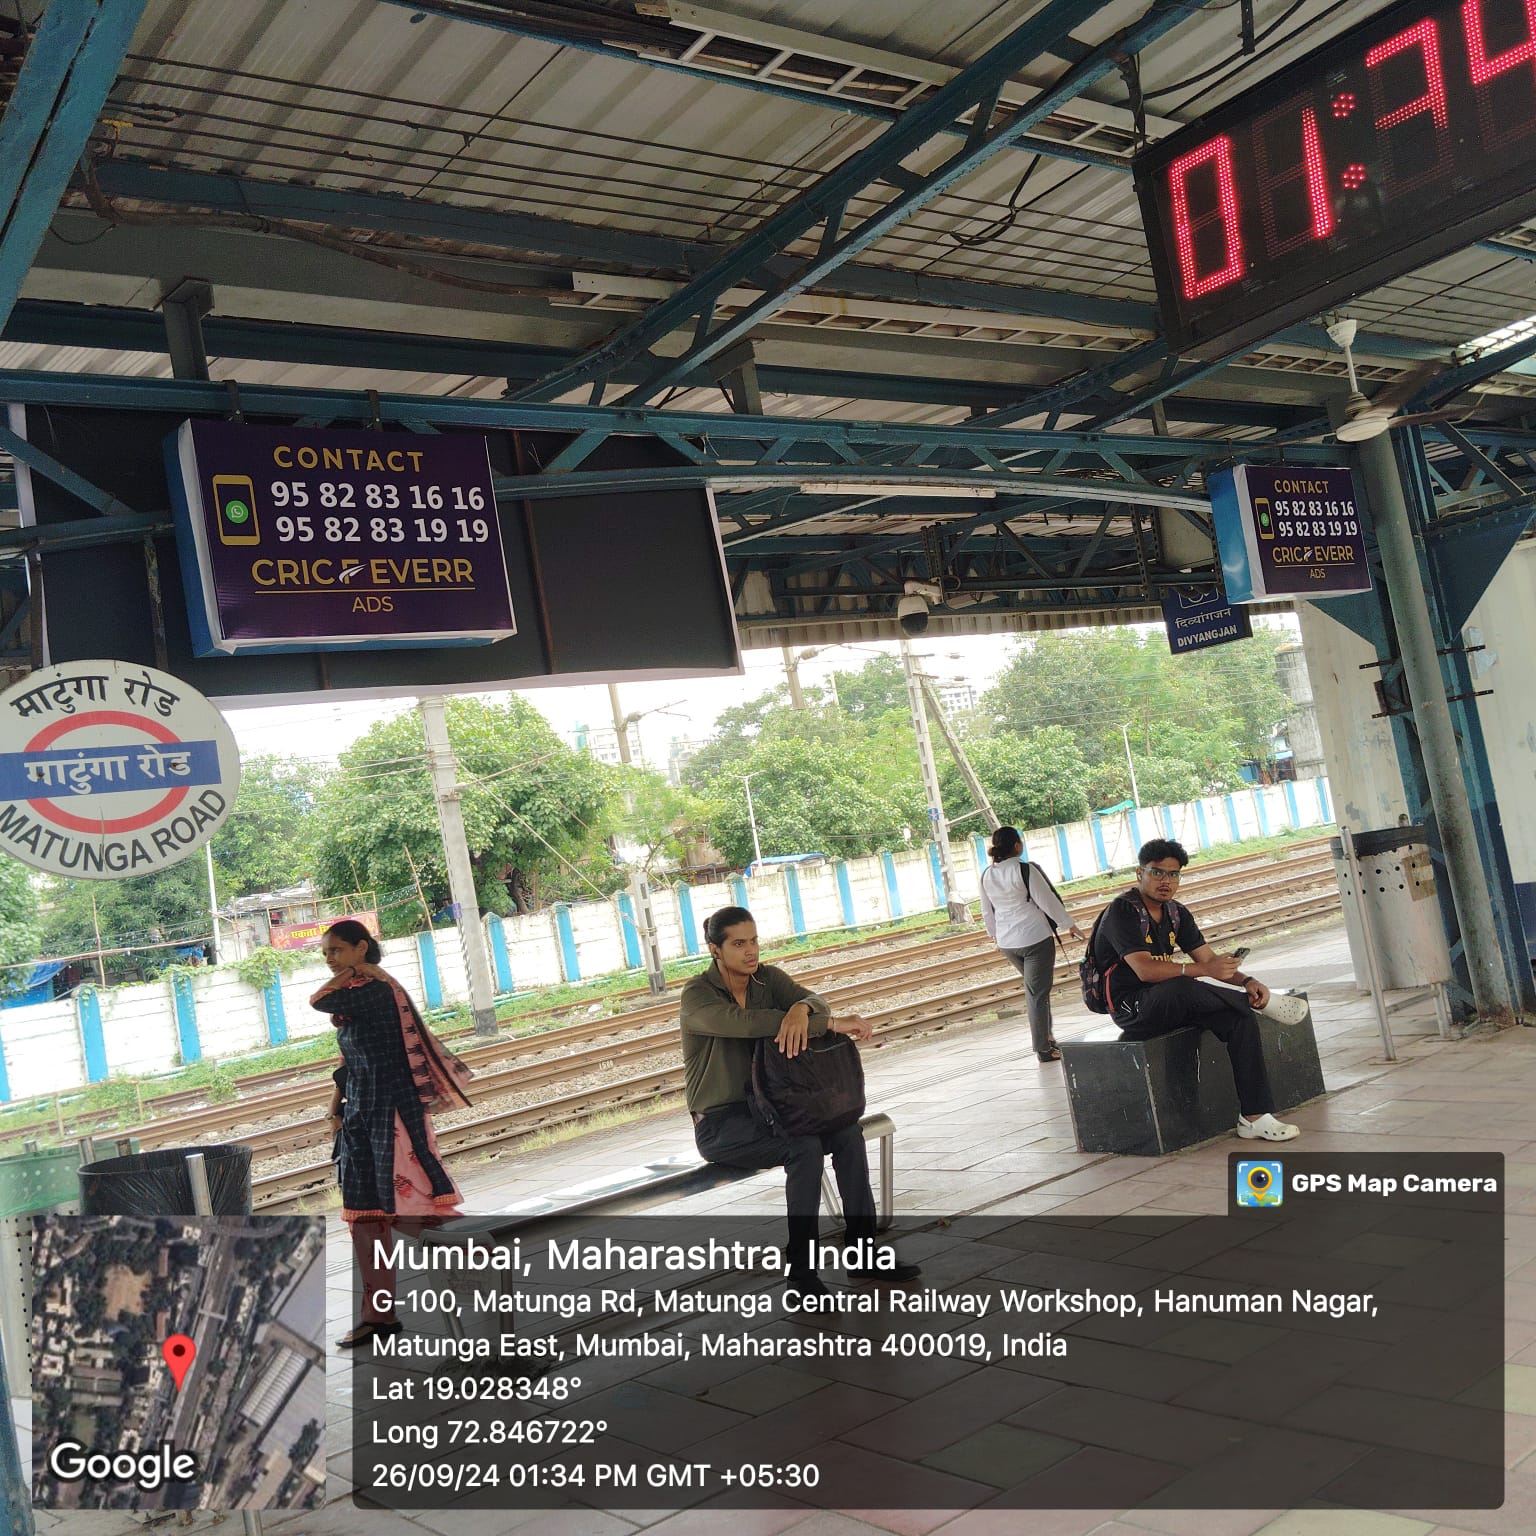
{"x": 1398, "y": 894}
{"x": 157, "y": 1183}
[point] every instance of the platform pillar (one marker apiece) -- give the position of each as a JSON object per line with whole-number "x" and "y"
{"x": 1447, "y": 788}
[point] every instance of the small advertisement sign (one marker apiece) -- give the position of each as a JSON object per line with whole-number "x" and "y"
{"x": 1199, "y": 617}
{"x": 301, "y": 539}
{"x": 1288, "y": 531}
{"x": 109, "y": 770}
{"x": 302, "y": 935}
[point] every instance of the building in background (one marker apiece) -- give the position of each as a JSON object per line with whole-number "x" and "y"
{"x": 602, "y": 741}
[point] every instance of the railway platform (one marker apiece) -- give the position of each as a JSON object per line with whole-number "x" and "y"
{"x": 983, "y": 1128}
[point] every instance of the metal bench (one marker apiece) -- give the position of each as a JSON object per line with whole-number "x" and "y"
{"x": 1147, "y": 1097}
{"x": 632, "y": 1190}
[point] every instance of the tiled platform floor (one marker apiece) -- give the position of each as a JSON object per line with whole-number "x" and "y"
{"x": 983, "y": 1127}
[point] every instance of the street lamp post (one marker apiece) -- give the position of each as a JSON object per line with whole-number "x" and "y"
{"x": 757, "y": 847}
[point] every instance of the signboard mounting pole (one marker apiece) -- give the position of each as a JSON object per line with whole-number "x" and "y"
{"x": 1437, "y": 737}
{"x": 461, "y": 874}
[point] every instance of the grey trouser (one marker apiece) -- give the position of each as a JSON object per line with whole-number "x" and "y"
{"x": 1035, "y": 965}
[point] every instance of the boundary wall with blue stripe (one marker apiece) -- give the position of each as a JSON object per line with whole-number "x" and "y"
{"x": 152, "y": 1027}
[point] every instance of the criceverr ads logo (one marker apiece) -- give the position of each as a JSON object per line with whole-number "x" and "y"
{"x": 1472, "y": 1180}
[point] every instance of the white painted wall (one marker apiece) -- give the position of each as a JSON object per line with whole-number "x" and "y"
{"x": 44, "y": 1054}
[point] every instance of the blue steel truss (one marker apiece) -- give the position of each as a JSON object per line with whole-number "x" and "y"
{"x": 970, "y": 100}
{"x": 70, "y": 65}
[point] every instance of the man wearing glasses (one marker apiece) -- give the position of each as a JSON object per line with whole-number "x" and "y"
{"x": 1151, "y": 993}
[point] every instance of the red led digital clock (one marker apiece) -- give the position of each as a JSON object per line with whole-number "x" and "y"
{"x": 1403, "y": 139}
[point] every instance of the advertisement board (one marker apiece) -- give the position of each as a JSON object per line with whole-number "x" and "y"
{"x": 302, "y": 935}
{"x": 296, "y": 537}
{"x": 1288, "y": 531}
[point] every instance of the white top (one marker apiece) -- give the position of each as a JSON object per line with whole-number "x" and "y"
{"x": 1016, "y": 916}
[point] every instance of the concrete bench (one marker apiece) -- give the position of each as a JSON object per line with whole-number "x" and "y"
{"x": 1147, "y": 1097}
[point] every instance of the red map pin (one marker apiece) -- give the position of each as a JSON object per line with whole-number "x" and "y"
{"x": 179, "y": 1352}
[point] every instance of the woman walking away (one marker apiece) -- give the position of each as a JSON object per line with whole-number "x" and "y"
{"x": 393, "y": 1073}
{"x": 1023, "y": 914}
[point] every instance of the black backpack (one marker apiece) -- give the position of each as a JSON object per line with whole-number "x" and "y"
{"x": 1089, "y": 976}
{"x": 816, "y": 1093}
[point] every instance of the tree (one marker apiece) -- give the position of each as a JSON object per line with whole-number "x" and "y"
{"x": 659, "y": 816}
{"x": 171, "y": 904}
{"x": 1032, "y": 781}
{"x": 809, "y": 797}
{"x": 264, "y": 846}
{"x": 1192, "y": 718}
{"x": 532, "y": 806}
{"x": 19, "y": 929}
{"x": 877, "y": 688}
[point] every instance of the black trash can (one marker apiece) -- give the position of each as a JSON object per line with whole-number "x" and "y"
{"x": 157, "y": 1184}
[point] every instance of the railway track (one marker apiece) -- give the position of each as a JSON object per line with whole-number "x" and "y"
{"x": 507, "y": 1066}
{"x": 904, "y": 1021}
{"x": 285, "y": 1091}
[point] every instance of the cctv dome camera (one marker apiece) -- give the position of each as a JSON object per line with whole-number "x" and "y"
{"x": 912, "y": 614}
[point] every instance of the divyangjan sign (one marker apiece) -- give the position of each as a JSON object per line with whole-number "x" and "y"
{"x": 1288, "y": 531}
{"x": 304, "y": 539}
{"x": 1199, "y": 617}
{"x": 109, "y": 770}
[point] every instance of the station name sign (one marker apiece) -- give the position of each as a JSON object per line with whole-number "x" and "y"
{"x": 1288, "y": 531}
{"x": 109, "y": 770}
{"x": 302, "y": 539}
{"x": 1399, "y": 141}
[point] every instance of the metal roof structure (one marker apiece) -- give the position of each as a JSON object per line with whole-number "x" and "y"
{"x": 875, "y": 271}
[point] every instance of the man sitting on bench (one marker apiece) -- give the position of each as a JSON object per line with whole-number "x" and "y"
{"x": 736, "y": 1002}
{"x": 1150, "y": 993}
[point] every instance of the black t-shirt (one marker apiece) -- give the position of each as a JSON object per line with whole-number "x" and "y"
{"x": 1122, "y": 932}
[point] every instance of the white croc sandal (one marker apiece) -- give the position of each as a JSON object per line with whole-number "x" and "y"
{"x": 1266, "y": 1128}
{"x": 1286, "y": 1008}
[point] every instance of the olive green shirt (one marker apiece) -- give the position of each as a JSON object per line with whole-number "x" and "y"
{"x": 718, "y": 1032}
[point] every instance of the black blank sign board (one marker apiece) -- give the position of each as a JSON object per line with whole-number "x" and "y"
{"x": 603, "y": 586}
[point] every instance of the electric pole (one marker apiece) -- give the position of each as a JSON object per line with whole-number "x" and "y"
{"x": 620, "y": 723}
{"x": 461, "y": 874}
{"x": 792, "y": 671}
{"x": 757, "y": 847}
{"x": 958, "y": 911}
{"x": 962, "y": 762}
{"x": 1125, "y": 736}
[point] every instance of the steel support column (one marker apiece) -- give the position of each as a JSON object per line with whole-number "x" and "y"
{"x": 1436, "y": 732}
{"x": 1447, "y": 616}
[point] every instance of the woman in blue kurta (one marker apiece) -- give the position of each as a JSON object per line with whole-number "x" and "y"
{"x": 393, "y": 1074}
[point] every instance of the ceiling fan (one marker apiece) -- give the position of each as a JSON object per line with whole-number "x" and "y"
{"x": 1363, "y": 418}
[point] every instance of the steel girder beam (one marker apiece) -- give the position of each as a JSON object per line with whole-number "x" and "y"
{"x": 825, "y": 448}
{"x": 972, "y": 94}
{"x": 565, "y": 37}
{"x": 70, "y": 65}
{"x": 53, "y": 323}
{"x": 420, "y": 218}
